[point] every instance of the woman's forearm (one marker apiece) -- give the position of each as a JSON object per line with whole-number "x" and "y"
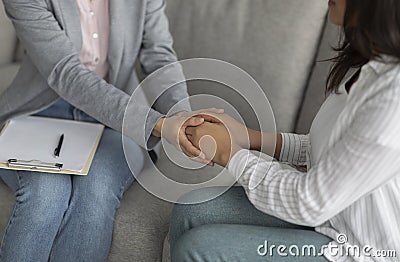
{"x": 267, "y": 143}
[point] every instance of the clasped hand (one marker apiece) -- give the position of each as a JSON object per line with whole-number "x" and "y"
{"x": 208, "y": 136}
{"x": 219, "y": 138}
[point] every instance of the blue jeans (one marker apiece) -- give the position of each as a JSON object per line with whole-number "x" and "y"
{"x": 230, "y": 228}
{"x": 64, "y": 217}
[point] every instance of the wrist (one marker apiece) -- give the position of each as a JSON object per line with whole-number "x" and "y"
{"x": 267, "y": 143}
{"x": 254, "y": 139}
{"x": 227, "y": 155}
{"x": 158, "y": 127}
{"x": 278, "y": 146}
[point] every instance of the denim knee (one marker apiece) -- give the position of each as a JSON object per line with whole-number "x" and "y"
{"x": 44, "y": 196}
{"x": 182, "y": 219}
{"x": 197, "y": 196}
{"x": 204, "y": 210}
{"x": 98, "y": 198}
{"x": 181, "y": 211}
{"x": 186, "y": 216}
{"x": 192, "y": 246}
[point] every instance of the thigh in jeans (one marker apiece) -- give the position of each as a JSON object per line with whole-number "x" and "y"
{"x": 41, "y": 201}
{"x": 232, "y": 207}
{"x": 223, "y": 242}
{"x": 88, "y": 224}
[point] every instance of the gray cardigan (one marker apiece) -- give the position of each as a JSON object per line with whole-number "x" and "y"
{"x": 50, "y": 33}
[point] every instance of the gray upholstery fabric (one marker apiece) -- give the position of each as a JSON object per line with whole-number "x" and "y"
{"x": 140, "y": 227}
{"x": 276, "y": 41}
{"x": 273, "y": 40}
{"x": 7, "y": 39}
{"x": 314, "y": 96}
{"x": 7, "y": 74}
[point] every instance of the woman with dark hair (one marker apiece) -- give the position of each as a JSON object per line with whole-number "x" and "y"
{"x": 346, "y": 206}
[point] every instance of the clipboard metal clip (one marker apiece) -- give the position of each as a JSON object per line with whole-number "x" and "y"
{"x": 33, "y": 164}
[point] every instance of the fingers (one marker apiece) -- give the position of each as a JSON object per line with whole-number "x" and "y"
{"x": 176, "y": 135}
{"x": 190, "y": 131}
{"x": 200, "y": 158}
{"x": 190, "y": 149}
{"x": 201, "y": 115}
{"x": 194, "y": 121}
{"x": 186, "y": 146}
{"x": 194, "y": 153}
{"x": 203, "y": 129}
{"x": 209, "y": 118}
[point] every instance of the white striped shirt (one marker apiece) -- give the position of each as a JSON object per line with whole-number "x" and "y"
{"x": 352, "y": 183}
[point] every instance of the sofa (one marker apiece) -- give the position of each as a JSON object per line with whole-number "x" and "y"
{"x": 280, "y": 43}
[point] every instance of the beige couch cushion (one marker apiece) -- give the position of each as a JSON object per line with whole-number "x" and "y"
{"x": 7, "y": 38}
{"x": 274, "y": 40}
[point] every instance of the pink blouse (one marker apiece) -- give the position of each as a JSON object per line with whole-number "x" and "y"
{"x": 95, "y": 26}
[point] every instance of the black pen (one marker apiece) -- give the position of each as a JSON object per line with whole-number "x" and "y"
{"x": 58, "y": 148}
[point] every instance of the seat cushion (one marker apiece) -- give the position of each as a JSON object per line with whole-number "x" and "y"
{"x": 141, "y": 225}
{"x": 7, "y": 39}
{"x": 142, "y": 221}
{"x": 275, "y": 41}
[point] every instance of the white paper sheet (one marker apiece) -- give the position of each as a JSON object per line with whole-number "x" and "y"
{"x": 35, "y": 138}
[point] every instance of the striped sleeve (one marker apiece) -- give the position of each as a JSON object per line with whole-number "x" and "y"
{"x": 295, "y": 149}
{"x": 365, "y": 155}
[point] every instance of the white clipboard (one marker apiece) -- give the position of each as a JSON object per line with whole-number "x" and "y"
{"x": 28, "y": 143}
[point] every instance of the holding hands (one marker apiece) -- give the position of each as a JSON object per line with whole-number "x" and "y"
{"x": 210, "y": 136}
{"x": 174, "y": 130}
{"x": 214, "y": 141}
{"x": 219, "y": 137}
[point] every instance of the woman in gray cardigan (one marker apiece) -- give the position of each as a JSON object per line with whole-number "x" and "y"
{"x": 79, "y": 64}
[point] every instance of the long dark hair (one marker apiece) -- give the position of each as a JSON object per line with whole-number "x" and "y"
{"x": 371, "y": 28}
